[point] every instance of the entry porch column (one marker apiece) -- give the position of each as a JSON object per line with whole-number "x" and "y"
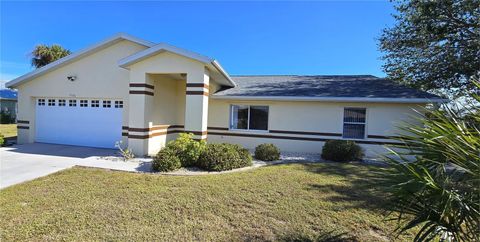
{"x": 196, "y": 105}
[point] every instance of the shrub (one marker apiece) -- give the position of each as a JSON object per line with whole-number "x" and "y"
{"x": 267, "y": 152}
{"x": 2, "y": 141}
{"x": 166, "y": 160}
{"x": 187, "y": 149}
{"x": 222, "y": 157}
{"x": 342, "y": 150}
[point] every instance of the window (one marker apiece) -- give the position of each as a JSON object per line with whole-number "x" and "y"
{"x": 118, "y": 104}
{"x": 249, "y": 117}
{"x": 83, "y": 103}
{"x": 61, "y": 102}
{"x": 72, "y": 103}
{"x": 51, "y": 102}
{"x": 107, "y": 104}
{"x": 41, "y": 102}
{"x": 354, "y": 123}
{"x": 95, "y": 104}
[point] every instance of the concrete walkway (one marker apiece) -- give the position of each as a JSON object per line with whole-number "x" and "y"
{"x": 26, "y": 162}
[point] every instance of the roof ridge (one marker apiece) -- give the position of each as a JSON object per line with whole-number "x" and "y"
{"x": 369, "y": 75}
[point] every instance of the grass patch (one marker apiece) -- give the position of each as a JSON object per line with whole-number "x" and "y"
{"x": 8, "y": 130}
{"x": 284, "y": 202}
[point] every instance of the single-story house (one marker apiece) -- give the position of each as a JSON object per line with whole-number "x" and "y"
{"x": 8, "y": 104}
{"x": 144, "y": 94}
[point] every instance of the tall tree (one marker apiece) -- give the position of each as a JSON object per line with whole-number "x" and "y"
{"x": 44, "y": 54}
{"x": 434, "y": 45}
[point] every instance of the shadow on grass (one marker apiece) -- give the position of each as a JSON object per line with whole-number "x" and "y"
{"x": 323, "y": 237}
{"x": 359, "y": 187}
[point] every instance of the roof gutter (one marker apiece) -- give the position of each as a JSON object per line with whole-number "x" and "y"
{"x": 331, "y": 99}
{"x": 223, "y": 72}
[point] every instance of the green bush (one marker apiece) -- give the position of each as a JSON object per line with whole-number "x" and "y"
{"x": 187, "y": 149}
{"x": 267, "y": 152}
{"x": 222, "y": 157}
{"x": 2, "y": 141}
{"x": 342, "y": 150}
{"x": 166, "y": 160}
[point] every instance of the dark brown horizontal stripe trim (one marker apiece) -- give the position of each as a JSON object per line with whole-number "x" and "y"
{"x": 138, "y": 129}
{"x": 23, "y": 127}
{"x": 197, "y": 93}
{"x": 23, "y": 121}
{"x": 197, "y": 132}
{"x": 296, "y": 138}
{"x": 176, "y": 126}
{"x": 217, "y": 128}
{"x": 305, "y": 133}
{"x": 124, "y": 127}
{"x": 175, "y": 131}
{"x": 124, "y": 133}
{"x": 197, "y": 85}
{"x": 381, "y": 137}
{"x": 141, "y": 92}
{"x": 142, "y": 85}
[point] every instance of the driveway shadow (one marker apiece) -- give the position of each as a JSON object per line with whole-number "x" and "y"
{"x": 59, "y": 150}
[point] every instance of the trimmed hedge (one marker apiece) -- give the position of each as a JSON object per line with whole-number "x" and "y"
{"x": 342, "y": 151}
{"x": 166, "y": 160}
{"x": 267, "y": 152}
{"x": 222, "y": 157}
{"x": 187, "y": 149}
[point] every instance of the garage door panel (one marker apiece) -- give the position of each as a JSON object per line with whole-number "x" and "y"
{"x": 84, "y": 126}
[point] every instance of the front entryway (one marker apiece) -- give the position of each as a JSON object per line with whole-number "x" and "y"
{"x": 80, "y": 121}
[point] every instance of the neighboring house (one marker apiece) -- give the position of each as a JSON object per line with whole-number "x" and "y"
{"x": 144, "y": 94}
{"x": 8, "y": 102}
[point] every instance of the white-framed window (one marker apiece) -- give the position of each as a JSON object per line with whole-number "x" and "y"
{"x": 354, "y": 120}
{"x": 118, "y": 104}
{"x": 107, "y": 103}
{"x": 61, "y": 102}
{"x": 72, "y": 103}
{"x": 83, "y": 103}
{"x": 95, "y": 103}
{"x": 41, "y": 102}
{"x": 51, "y": 102}
{"x": 249, "y": 117}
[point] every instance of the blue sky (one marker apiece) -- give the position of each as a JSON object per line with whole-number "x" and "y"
{"x": 245, "y": 37}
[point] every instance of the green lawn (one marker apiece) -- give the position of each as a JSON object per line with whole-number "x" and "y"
{"x": 8, "y": 130}
{"x": 283, "y": 202}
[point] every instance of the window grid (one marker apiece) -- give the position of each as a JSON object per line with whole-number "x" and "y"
{"x": 107, "y": 103}
{"x": 51, "y": 102}
{"x": 72, "y": 103}
{"x": 83, "y": 103}
{"x": 354, "y": 123}
{"x": 95, "y": 104}
{"x": 61, "y": 102}
{"x": 41, "y": 102}
{"x": 118, "y": 104}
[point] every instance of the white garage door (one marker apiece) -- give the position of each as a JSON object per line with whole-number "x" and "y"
{"x": 83, "y": 122}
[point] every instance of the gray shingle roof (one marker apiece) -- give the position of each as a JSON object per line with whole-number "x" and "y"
{"x": 350, "y": 86}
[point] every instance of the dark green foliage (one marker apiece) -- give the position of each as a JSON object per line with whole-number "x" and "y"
{"x": 342, "y": 151}
{"x": 166, "y": 160}
{"x": 6, "y": 118}
{"x": 44, "y": 54}
{"x": 267, "y": 152}
{"x": 2, "y": 140}
{"x": 222, "y": 157}
{"x": 187, "y": 149}
{"x": 439, "y": 191}
{"x": 434, "y": 45}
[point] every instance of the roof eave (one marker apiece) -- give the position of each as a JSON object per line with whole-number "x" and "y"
{"x": 332, "y": 99}
{"x": 67, "y": 59}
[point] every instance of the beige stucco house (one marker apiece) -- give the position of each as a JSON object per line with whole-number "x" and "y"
{"x": 125, "y": 88}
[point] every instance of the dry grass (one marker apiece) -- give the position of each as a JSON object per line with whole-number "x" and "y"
{"x": 8, "y": 130}
{"x": 285, "y": 202}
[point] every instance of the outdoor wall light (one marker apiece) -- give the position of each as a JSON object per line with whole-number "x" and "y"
{"x": 72, "y": 78}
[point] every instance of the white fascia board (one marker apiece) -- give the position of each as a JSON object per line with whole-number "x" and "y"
{"x": 333, "y": 99}
{"x": 223, "y": 72}
{"x": 67, "y": 59}
{"x": 139, "y": 56}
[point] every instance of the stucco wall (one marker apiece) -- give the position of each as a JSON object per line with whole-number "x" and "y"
{"x": 319, "y": 117}
{"x": 98, "y": 76}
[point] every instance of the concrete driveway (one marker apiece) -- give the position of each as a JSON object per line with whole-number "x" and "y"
{"x": 26, "y": 162}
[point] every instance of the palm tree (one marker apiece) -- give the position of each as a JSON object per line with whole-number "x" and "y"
{"x": 44, "y": 54}
{"x": 439, "y": 190}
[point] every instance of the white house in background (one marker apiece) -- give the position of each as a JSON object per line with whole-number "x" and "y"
{"x": 125, "y": 88}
